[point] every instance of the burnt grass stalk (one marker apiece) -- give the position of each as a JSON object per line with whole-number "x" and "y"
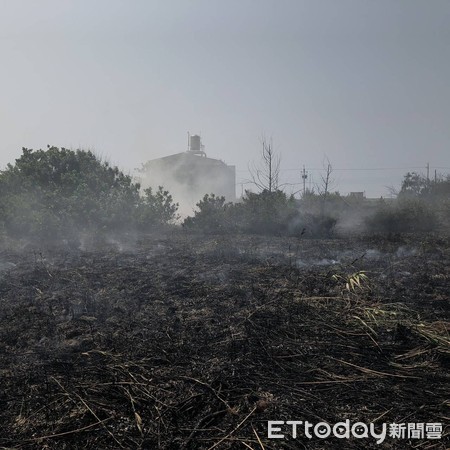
{"x": 193, "y": 342}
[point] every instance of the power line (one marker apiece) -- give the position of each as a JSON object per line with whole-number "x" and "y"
{"x": 358, "y": 169}
{"x": 364, "y": 168}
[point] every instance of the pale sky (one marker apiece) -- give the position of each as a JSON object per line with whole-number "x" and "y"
{"x": 365, "y": 82}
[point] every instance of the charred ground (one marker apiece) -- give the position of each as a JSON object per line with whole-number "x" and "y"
{"x": 182, "y": 341}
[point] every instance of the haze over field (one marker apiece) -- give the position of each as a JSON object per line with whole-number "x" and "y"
{"x": 364, "y": 82}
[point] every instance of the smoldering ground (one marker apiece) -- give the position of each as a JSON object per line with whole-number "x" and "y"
{"x": 190, "y": 339}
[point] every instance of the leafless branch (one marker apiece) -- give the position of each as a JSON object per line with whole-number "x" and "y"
{"x": 327, "y": 181}
{"x": 266, "y": 174}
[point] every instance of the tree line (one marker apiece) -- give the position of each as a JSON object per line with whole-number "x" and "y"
{"x": 59, "y": 193}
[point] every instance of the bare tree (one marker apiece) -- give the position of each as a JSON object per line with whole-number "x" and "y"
{"x": 392, "y": 191}
{"x": 326, "y": 180}
{"x": 265, "y": 175}
{"x": 325, "y": 185}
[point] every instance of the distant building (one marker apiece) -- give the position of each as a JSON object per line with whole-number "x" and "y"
{"x": 189, "y": 175}
{"x": 360, "y": 195}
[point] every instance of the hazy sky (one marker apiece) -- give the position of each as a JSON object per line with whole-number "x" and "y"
{"x": 366, "y": 83}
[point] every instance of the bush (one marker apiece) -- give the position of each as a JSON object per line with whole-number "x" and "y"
{"x": 213, "y": 216}
{"x": 317, "y": 225}
{"x": 267, "y": 213}
{"x": 60, "y": 193}
{"x": 156, "y": 209}
{"x": 264, "y": 213}
{"x": 405, "y": 216}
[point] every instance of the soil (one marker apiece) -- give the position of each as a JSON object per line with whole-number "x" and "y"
{"x": 181, "y": 341}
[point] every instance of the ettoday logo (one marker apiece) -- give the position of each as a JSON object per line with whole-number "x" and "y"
{"x": 279, "y": 429}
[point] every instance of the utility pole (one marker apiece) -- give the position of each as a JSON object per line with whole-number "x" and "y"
{"x": 428, "y": 172}
{"x": 304, "y": 177}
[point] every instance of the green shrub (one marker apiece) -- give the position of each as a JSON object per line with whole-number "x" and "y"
{"x": 156, "y": 209}
{"x": 267, "y": 212}
{"x": 213, "y": 216}
{"x": 60, "y": 193}
{"x": 408, "y": 215}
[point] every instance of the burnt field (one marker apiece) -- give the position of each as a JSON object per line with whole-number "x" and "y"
{"x": 182, "y": 341}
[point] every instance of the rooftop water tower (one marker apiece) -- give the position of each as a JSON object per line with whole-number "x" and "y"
{"x": 195, "y": 145}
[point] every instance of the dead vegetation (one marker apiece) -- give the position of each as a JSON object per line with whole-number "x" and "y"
{"x": 195, "y": 343}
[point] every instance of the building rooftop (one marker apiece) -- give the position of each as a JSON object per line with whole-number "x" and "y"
{"x": 187, "y": 157}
